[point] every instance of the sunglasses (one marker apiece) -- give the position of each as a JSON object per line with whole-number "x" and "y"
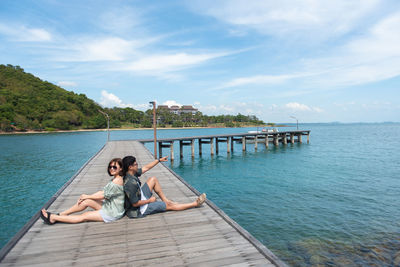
{"x": 113, "y": 167}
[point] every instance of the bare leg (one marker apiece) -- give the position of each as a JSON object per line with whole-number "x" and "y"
{"x": 153, "y": 184}
{"x": 93, "y": 216}
{"x": 177, "y": 206}
{"x": 197, "y": 203}
{"x": 96, "y": 205}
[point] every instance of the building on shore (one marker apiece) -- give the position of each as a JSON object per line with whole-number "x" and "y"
{"x": 179, "y": 110}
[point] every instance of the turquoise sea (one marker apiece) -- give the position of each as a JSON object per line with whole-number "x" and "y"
{"x": 334, "y": 201}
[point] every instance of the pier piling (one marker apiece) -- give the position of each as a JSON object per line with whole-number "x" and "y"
{"x": 284, "y": 139}
{"x": 183, "y": 143}
{"x": 192, "y": 144}
{"x": 276, "y": 141}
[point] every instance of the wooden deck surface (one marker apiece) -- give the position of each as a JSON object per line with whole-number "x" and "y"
{"x": 202, "y": 236}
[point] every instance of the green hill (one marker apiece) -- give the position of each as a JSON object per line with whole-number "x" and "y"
{"x": 28, "y": 103}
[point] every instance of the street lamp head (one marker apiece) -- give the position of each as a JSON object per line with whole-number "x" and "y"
{"x": 152, "y": 103}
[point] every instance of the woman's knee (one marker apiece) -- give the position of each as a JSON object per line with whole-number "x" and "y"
{"x": 90, "y": 203}
{"x": 85, "y": 203}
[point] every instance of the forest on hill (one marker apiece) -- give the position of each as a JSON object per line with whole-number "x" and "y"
{"x": 29, "y": 103}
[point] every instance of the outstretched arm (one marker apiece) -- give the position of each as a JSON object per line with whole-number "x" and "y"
{"x": 154, "y": 163}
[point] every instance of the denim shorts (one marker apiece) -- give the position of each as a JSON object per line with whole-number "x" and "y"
{"x": 153, "y": 207}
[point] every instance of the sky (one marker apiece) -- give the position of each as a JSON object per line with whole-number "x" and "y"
{"x": 313, "y": 60}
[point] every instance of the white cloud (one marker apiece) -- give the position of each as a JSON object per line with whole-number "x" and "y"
{"x": 260, "y": 79}
{"x": 297, "y": 106}
{"x": 22, "y": 33}
{"x": 142, "y": 107}
{"x": 294, "y": 106}
{"x": 109, "y": 48}
{"x": 121, "y": 19}
{"x": 234, "y": 108}
{"x": 110, "y": 100}
{"x": 170, "y": 62}
{"x": 170, "y": 103}
{"x": 372, "y": 57}
{"x": 67, "y": 84}
{"x": 103, "y": 49}
{"x": 375, "y": 56}
{"x": 317, "y": 109}
{"x": 288, "y": 17}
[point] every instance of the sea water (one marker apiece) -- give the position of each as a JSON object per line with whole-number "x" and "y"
{"x": 333, "y": 201}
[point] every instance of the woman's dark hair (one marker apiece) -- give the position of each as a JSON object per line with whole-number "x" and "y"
{"x": 119, "y": 162}
{"x": 126, "y": 162}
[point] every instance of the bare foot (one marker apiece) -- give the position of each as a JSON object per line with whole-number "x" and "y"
{"x": 201, "y": 199}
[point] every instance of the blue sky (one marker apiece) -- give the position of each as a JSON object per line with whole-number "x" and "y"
{"x": 317, "y": 60}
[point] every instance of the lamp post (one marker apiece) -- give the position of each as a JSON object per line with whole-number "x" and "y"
{"x": 297, "y": 121}
{"x": 154, "y": 127}
{"x": 108, "y": 124}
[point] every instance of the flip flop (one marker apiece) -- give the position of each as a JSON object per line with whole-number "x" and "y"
{"x": 45, "y": 219}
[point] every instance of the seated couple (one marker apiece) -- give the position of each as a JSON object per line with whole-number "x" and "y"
{"x": 124, "y": 193}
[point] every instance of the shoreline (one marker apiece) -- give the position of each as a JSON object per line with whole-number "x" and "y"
{"x": 125, "y": 129}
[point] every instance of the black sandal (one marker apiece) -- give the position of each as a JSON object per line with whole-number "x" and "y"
{"x": 45, "y": 219}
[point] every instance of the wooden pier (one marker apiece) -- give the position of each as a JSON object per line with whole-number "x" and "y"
{"x": 203, "y": 236}
{"x": 230, "y": 139}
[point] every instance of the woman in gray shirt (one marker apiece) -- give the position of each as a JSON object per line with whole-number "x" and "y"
{"x": 108, "y": 204}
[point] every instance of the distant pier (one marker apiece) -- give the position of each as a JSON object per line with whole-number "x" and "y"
{"x": 265, "y": 138}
